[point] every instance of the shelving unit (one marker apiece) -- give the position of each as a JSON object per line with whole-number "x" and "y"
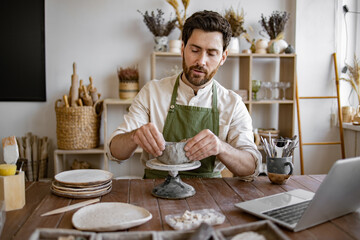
{"x": 287, "y": 73}
{"x": 61, "y": 156}
{"x": 285, "y": 113}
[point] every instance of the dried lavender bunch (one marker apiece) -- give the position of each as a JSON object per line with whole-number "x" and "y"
{"x": 129, "y": 74}
{"x": 156, "y": 23}
{"x": 275, "y": 24}
{"x": 236, "y": 21}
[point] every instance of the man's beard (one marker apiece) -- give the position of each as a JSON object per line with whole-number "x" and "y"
{"x": 197, "y": 80}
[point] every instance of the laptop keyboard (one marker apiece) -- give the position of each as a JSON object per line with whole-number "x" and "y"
{"x": 289, "y": 214}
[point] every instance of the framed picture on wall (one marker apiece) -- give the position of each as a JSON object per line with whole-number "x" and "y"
{"x": 22, "y": 50}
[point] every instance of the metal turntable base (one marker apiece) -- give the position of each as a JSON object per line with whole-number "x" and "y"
{"x": 173, "y": 187}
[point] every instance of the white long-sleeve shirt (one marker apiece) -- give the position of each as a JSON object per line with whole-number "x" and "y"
{"x": 153, "y": 101}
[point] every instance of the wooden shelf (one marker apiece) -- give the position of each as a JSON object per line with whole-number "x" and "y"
{"x": 287, "y": 71}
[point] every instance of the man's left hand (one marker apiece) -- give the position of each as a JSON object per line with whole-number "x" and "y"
{"x": 203, "y": 145}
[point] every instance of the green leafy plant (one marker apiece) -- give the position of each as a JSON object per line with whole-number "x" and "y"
{"x": 354, "y": 76}
{"x": 128, "y": 74}
{"x": 156, "y": 23}
{"x": 276, "y": 23}
{"x": 236, "y": 21}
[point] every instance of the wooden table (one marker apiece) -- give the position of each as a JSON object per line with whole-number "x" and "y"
{"x": 220, "y": 194}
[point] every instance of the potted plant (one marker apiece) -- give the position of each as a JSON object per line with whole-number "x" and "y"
{"x": 236, "y": 21}
{"x": 159, "y": 28}
{"x": 354, "y": 80}
{"x": 128, "y": 82}
{"x": 175, "y": 44}
{"x": 274, "y": 27}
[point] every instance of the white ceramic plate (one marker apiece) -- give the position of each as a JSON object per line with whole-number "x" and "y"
{"x": 58, "y": 186}
{"x": 110, "y": 216}
{"x": 81, "y": 195}
{"x": 83, "y": 177}
{"x": 156, "y": 164}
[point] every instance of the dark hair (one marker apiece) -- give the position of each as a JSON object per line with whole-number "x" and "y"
{"x": 207, "y": 21}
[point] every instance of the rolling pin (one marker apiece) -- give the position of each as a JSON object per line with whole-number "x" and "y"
{"x": 74, "y": 87}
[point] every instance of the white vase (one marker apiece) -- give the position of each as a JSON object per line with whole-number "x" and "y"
{"x": 160, "y": 43}
{"x": 175, "y": 46}
{"x": 234, "y": 45}
{"x": 277, "y": 46}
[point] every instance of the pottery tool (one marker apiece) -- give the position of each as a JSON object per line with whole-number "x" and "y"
{"x": 70, "y": 207}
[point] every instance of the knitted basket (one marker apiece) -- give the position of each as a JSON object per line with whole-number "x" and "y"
{"x": 78, "y": 127}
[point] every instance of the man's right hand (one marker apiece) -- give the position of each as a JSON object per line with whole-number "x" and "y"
{"x": 150, "y": 139}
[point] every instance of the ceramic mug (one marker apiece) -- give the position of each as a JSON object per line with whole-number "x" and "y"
{"x": 279, "y": 169}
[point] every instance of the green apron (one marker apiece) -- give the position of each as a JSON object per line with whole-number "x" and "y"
{"x": 183, "y": 122}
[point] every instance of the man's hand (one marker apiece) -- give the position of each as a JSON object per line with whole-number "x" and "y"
{"x": 150, "y": 139}
{"x": 203, "y": 145}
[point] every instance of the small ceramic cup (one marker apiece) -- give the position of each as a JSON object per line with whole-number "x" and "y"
{"x": 279, "y": 169}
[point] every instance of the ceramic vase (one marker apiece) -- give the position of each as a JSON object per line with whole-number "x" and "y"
{"x": 160, "y": 43}
{"x": 261, "y": 46}
{"x": 348, "y": 113}
{"x": 175, "y": 46}
{"x": 277, "y": 46}
{"x": 234, "y": 45}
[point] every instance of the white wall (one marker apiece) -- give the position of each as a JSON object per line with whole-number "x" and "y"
{"x": 101, "y": 35}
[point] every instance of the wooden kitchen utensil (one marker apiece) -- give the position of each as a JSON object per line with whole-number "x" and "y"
{"x": 71, "y": 207}
{"x": 74, "y": 89}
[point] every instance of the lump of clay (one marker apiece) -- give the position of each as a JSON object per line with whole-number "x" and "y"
{"x": 174, "y": 153}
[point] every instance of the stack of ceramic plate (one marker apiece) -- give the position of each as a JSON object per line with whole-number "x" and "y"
{"x": 82, "y": 183}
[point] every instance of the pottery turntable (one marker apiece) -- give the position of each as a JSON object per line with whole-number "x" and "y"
{"x": 173, "y": 187}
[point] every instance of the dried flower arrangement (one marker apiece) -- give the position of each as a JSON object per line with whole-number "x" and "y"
{"x": 129, "y": 74}
{"x": 236, "y": 21}
{"x": 180, "y": 18}
{"x": 276, "y": 23}
{"x": 157, "y": 24}
{"x": 354, "y": 77}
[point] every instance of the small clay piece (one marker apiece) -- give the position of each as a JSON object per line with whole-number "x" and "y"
{"x": 174, "y": 153}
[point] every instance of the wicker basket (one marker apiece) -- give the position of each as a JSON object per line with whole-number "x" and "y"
{"x": 78, "y": 127}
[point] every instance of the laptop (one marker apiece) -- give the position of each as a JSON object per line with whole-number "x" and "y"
{"x": 299, "y": 209}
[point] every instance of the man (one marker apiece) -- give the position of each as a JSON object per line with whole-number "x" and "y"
{"x": 192, "y": 106}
